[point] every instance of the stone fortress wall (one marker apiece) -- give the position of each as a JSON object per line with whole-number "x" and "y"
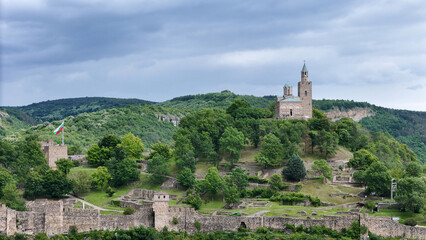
{"x": 53, "y": 217}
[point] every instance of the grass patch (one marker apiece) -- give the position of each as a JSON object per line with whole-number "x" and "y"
{"x": 111, "y": 213}
{"x": 202, "y": 166}
{"x": 90, "y": 170}
{"x": 248, "y": 153}
{"x": 100, "y": 199}
{"x": 318, "y": 189}
{"x": 402, "y": 215}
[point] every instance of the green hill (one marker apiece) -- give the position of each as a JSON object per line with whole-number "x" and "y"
{"x": 215, "y": 100}
{"x": 87, "y": 128}
{"x": 406, "y": 126}
{"x": 62, "y": 108}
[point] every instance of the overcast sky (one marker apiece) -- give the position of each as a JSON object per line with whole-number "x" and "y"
{"x": 372, "y": 51}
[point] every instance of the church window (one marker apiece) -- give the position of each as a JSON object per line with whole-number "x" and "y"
{"x": 306, "y": 93}
{"x": 291, "y": 112}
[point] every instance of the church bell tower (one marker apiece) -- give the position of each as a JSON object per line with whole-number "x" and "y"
{"x": 305, "y": 92}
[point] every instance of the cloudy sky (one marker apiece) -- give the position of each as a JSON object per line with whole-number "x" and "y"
{"x": 372, "y": 51}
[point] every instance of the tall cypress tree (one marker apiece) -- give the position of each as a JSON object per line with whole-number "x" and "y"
{"x": 295, "y": 171}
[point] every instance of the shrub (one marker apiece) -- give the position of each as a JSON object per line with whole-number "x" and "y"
{"x": 255, "y": 179}
{"x": 72, "y": 230}
{"x": 76, "y": 163}
{"x": 116, "y": 203}
{"x": 262, "y": 230}
{"x": 197, "y": 225}
{"x": 298, "y": 187}
{"x": 109, "y": 191}
{"x": 410, "y": 222}
{"x": 175, "y": 221}
{"x": 129, "y": 211}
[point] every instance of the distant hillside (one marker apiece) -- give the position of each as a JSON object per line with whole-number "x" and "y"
{"x": 215, "y": 100}
{"x": 62, "y": 108}
{"x": 406, "y": 126}
{"x": 87, "y": 128}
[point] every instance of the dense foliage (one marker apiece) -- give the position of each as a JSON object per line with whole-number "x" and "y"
{"x": 215, "y": 100}
{"x": 62, "y": 108}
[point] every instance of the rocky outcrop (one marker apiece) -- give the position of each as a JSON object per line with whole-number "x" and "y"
{"x": 3, "y": 115}
{"x": 355, "y": 113}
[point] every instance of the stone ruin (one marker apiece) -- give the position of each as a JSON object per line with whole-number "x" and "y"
{"x": 153, "y": 210}
{"x": 53, "y": 152}
{"x": 166, "y": 118}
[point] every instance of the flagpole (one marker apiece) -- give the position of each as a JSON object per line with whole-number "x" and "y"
{"x": 63, "y": 136}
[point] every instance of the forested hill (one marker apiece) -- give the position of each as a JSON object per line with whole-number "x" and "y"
{"x": 406, "y": 126}
{"x": 215, "y": 100}
{"x": 62, "y": 108}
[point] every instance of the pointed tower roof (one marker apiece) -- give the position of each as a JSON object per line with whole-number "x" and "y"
{"x": 304, "y": 69}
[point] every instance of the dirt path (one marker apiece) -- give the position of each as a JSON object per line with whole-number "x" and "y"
{"x": 92, "y": 205}
{"x": 259, "y": 214}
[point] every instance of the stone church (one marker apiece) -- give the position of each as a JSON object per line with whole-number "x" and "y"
{"x": 296, "y": 107}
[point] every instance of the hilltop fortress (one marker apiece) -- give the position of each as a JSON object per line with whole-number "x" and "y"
{"x": 56, "y": 217}
{"x": 292, "y": 107}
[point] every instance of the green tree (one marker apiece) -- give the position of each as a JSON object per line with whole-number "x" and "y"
{"x": 34, "y": 185}
{"x": 162, "y": 149}
{"x": 194, "y": 200}
{"x": 232, "y": 195}
{"x": 186, "y": 178}
{"x": 376, "y": 178}
{"x": 411, "y": 194}
{"x": 322, "y": 167}
{"x": 81, "y": 182}
{"x": 123, "y": 171}
{"x": 184, "y": 151}
{"x": 239, "y": 178}
{"x": 29, "y": 155}
{"x": 11, "y": 197}
{"x": 158, "y": 167}
{"x": 56, "y": 184}
{"x": 231, "y": 143}
{"x": 362, "y": 159}
{"x": 276, "y": 182}
{"x": 5, "y": 178}
{"x": 109, "y": 141}
{"x": 101, "y": 177}
{"x": 413, "y": 169}
{"x": 64, "y": 165}
{"x": 272, "y": 151}
{"x": 327, "y": 143}
{"x": 213, "y": 181}
{"x": 8, "y": 154}
{"x": 97, "y": 156}
{"x": 132, "y": 145}
{"x": 295, "y": 171}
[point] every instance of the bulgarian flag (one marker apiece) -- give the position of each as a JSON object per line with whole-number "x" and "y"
{"x": 59, "y": 129}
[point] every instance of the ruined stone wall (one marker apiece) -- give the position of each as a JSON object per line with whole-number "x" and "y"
{"x": 50, "y": 217}
{"x": 386, "y": 227}
{"x": 54, "y": 152}
{"x": 143, "y": 193}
